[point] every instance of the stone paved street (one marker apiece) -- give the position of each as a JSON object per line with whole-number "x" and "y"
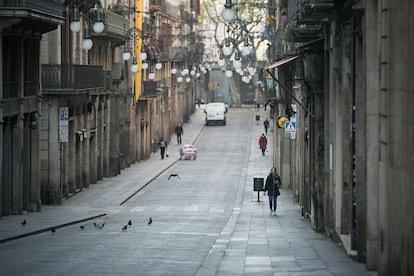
{"x": 243, "y": 240}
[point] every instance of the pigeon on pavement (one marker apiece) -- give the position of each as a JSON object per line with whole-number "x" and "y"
{"x": 149, "y": 221}
{"x": 129, "y": 222}
{"x": 24, "y": 222}
{"x": 100, "y": 226}
{"x": 124, "y": 228}
{"x": 174, "y": 175}
{"x": 82, "y": 227}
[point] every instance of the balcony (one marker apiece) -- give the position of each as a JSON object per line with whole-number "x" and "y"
{"x": 115, "y": 26}
{"x": 50, "y": 7}
{"x": 39, "y": 15}
{"x": 150, "y": 88}
{"x": 307, "y": 33}
{"x": 71, "y": 78}
{"x": 310, "y": 16}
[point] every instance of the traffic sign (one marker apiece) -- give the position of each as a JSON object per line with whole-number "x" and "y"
{"x": 290, "y": 127}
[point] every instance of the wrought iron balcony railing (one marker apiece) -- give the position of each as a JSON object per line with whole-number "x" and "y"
{"x": 115, "y": 25}
{"x": 51, "y": 7}
{"x": 150, "y": 88}
{"x": 56, "y": 76}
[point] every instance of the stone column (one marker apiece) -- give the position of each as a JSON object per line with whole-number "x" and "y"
{"x": 85, "y": 149}
{"x": 78, "y": 155}
{"x": 72, "y": 155}
{"x": 99, "y": 137}
{"x": 35, "y": 202}
{"x": 106, "y": 109}
{"x": 1, "y": 126}
{"x": 17, "y": 143}
{"x": 93, "y": 141}
{"x": 17, "y": 190}
{"x": 54, "y": 193}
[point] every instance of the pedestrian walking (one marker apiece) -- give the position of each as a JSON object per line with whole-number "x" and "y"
{"x": 263, "y": 143}
{"x": 266, "y": 125}
{"x": 163, "y": 145}
{"x": 179, "y": 131}
{"x": 273, "y": 182}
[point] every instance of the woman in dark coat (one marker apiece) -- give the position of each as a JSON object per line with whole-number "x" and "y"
{"x": 273, "y": 183}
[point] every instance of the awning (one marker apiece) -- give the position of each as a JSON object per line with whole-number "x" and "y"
{"x": 282, "y": 61}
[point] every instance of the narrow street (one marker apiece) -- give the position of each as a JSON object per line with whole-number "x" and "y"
{"x": 205, "y": 221}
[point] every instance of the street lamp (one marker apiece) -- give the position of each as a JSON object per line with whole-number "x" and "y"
{"x": 229, "y": 72}
{"x": 237, "y": 28}
{"x": 237, "y": 63}
{"x": 227, "y": 49}
{"x": 126, "y": 54}
{"x": 75, "y": 25}
{"x": 151, "y": 74}
{"x": 85, "y": 7}
{"x": 144, "y": 65}
{"x": 251, "y": 69}
{"x": 158, "y": 65}
{"x": 246, "y": 50}
{"x": 134, "y": 66}
{"x": 87, "y": 42}
{"x": 98, "y": 26}
{"x": 227, "y": 14}
{"x": 174, "y": 69}
{"x": 143, "y": 55}
{"x": 221, "y": 60}
{"x": 131, "y": 35}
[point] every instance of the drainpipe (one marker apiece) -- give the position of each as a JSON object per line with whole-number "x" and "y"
{"x": 353, "y": 142}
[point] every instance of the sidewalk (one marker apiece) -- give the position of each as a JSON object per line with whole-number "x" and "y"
{"x": 253, "y": 242}
{"x": 102, "y": 198}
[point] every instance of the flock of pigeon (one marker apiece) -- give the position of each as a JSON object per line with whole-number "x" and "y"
{"x": 52, "y": 229}
{"x": 96, "y": 225}
{"x": 101, "y": 225}
{"x": 123, "y": 229}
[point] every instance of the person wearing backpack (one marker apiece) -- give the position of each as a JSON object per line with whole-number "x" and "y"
{"x": 273, "y": 182}
{"x": 163, "y": 145}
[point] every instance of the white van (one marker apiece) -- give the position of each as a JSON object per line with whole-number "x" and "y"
{"x": 223, "y": 105}
{"x": 215, "y": 113}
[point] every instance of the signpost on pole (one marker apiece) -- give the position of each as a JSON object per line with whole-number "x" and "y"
{"x": 63, "y": 124}
{"x": 258, "y": 186}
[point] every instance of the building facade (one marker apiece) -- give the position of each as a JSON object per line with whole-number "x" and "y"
{"x": 23, "y": 24}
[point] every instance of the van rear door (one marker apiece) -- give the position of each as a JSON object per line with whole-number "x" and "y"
{"x": 215, "y": 115}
